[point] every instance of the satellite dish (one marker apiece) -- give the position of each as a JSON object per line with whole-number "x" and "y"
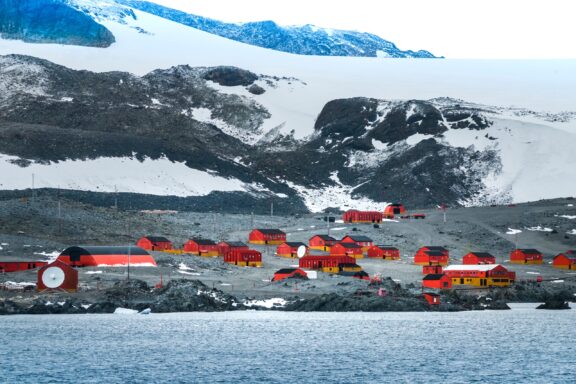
{"x": 301, "y": 251}
{"x": 53, "y": 277}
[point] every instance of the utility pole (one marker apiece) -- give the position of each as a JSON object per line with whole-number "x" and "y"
{"x": 129, "y": 249}
{"x": 251, "y": 220}
{"x": 115, "y": 198}
{"x": 33, "y": 190}
{"x": 271, "y": 209}
{"x": 328, "y": 223}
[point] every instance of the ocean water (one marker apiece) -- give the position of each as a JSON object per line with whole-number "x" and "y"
{"x": 518, "y": 346}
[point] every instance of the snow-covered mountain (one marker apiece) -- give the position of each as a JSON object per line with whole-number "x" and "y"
{"x": 170, "y": 110}
{"x": 77, "y": 22}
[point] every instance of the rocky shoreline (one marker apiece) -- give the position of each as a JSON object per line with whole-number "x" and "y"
{"x": 195, "y": 296}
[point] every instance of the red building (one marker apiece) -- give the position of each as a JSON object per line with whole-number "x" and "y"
{"x": 354, "y": 216}
{"x": 431, "y": 255}
{"x": 16, "y": 266}
{"x": 322, "y": 242}
{"x": 201, "y": 247}
{"x": 431, "y": 269}
{"x": 325, "y": 263}
{"x": 478, "y": 258}
{"x": 290, "y": 249}
{"x": 394, "y": 209}
{"x": 226, "y": 246}
{"x": 154, "y": 243}
{"x": 57, "y": 276}
{"x": 437, "y": 281}
{"x": 347, "y": 249}
{"x": 526, "y": 256}
{"x": 565, "y": 260}
{"x": 487, "y": 275}
{"x": 383, "y": 252}
{"x": 267, "y": 236}
{"x": 113, "y": 256}
{"x": 289, "y": 273}
{"x": 432, "y": 298}
{"x": 244, "y": 257}
{"x": 363, "y": 241}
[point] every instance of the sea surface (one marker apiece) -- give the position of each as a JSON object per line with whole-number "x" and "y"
{"x": 518, "y": 346}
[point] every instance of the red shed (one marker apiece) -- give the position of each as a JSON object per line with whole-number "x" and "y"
{"x": 565, "y": 260}
{"x": 16, "y": 266}
{"x": 363, "y": 241}
{"x": 475, "y": 258}
{"x": 437, "y": 281}
{"x": 244, "y": 257}
{"x": 201, "y": 247}
{"x": 267, "y": 236}
{"x": 109, "y": 256}
{"x": 290, "y": 249}
{"x": 394, "y": 209}
{"x": 322, "y": 242}
{"x": 226, "y": 246}
{"x": 431, "y": 255}
{"x": 526, "y": 256}
{"x": 289, "y": 273}
{"x": 347, "y": 249}
{"x": 383, "y": 252}
{"x": 354, "y": 216}
{"x": 154, "y": 243}
{"x": 431, "y": 269}
{"x": 432, "y": 298}
{"x": 57, "y": 276}
{"x": 325, "y": 263}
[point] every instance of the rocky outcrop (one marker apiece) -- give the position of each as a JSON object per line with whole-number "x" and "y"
{"x": 51, "y": 21}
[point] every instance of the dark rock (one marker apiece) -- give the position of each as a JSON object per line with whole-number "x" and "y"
{"x": 230, "y": 76}
{"x": 554, "y": 304}
{"x": 255, "y": 89}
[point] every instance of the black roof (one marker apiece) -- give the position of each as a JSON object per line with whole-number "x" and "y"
{"x": 529, "y": 250}
{"x": 436, "y": 248}
{"x": 157, "y": 239}
{"x": 348, "y": 265}
{"x": 294, "y": 244}
{"x": 433, "y": 276}
{"x": 350, "y": 245}
{"x": 359, "y": 238}
{"x": 481, "y": 254}
{"x": 396, "y": 204}
{"x": 387, "y": 247}
{"x": 325, "y": 237}
{"x": 203, "y": 241}
{"x": 270, "y": 231}
{"x": 285, "y": 271}
{"x": 104, "y": 250}
{"x": 434, "y": 253}
{"x": 235, "y": 244}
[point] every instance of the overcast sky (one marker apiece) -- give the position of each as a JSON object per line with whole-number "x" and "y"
{"x": 488, "y": 29}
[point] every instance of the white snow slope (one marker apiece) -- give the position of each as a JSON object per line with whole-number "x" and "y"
{"x": 537, "y": 155}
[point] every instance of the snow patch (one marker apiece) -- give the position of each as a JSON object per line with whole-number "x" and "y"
{"x": 125, "y": 311}
{"x": 268, "y": 303}
{"x": 93, "y": 272}
{"x": 512, "y": 231}
{"x": 539, "y": 229}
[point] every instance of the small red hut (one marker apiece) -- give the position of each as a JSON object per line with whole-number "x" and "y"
{"x": 154, "y": 243}
{"x": 363, "y": 241}
{"x": 431, "y": 255}
{"x": 394, "y": 209}
{"x": 432, "y": 298}
{"x": 355, "y": 216}
{"x": 16, "y": 266}
{"x": 57, "y": 276}
{"x": 267, "y": 236}
{"x": 437, "y": 281}
{"x": 201, "y": 247}
{"x": 226, "y": 246}
{"x": 110, "y": 256}
{"x": 475, "y": 258}
{"x": 347, "y": 249}
{"x": 290, "y": 249}
{"x": 322, "y": 242}
{"x": 526, "y": 256}
{"x": 244, "y": 257}
{"x": 289, "y": 273}
{"x": 383, "y": 252}
{"x": 565, "y": 260}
